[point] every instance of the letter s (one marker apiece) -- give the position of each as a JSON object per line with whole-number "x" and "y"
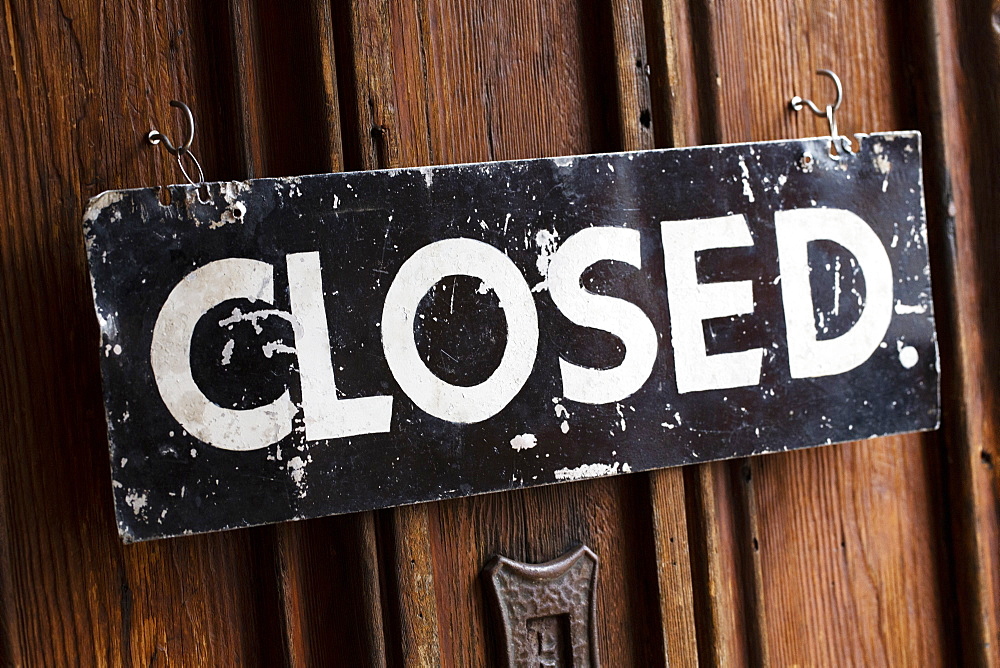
{"x": 623, "y": 319}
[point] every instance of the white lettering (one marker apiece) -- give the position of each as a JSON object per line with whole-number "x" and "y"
{"x": 430, "y": 264}
{"x": 326, "y": 415}
{"x": 617, "y": 316}
{"x": 691, "y": 303}
{"x": 170, "y": 356}
{"x": 808, "y": 357}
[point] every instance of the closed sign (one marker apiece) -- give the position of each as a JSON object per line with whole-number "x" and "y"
{"x": 287, "y": 348}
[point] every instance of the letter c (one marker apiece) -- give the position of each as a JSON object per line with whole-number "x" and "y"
{"x": 170, "y": 355}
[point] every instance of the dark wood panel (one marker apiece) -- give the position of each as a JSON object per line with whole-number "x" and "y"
{"x": 835, "y": 555}
{"x": 512, "y": 80}
{"x": 82, "y": 87}
{"x": 954, "y": 65}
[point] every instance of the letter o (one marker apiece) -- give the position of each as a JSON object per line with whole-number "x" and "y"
{"x": 430, "y": 264}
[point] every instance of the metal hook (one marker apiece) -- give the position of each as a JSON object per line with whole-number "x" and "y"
{"x": 155, "y": 137}
{"x": 797, "y": 103}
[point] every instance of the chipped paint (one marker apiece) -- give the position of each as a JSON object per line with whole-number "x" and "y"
{"x": 747, "y": 190}
{"x": 136, "y": 501}
{"x": 547, "y": 241}
{"x": 909, "y": 309}
{"x": 99, "y": 203}
{"x": 523, "y": 442}
{"x": 227, "y": 352}
{"x": 597, "y": 470}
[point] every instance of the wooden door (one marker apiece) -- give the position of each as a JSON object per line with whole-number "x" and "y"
{"x": 880, "y": 552}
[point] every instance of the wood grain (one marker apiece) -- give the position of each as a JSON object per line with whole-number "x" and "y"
{"x": 409, "y": 567}
{"x": 632, "y": 70}
{"x": 880, "y": 552}
{"x": 671, "y": 59}
{"x": 959, "y": 51}
{"x": 722, "y": 637}
{"x": 82, "y": 87}
{"x": 872, "y": 500}
{"x": 673, "y": 565}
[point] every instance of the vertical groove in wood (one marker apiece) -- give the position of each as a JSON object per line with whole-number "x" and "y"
{"x": 721, "y": 639}
{"x": 323, "y": 53}
{"x": 380, "y": 142}
{"x": 703, "y": 18}
{"x": 374, "y": 144}
{"x": 371, "y": 614}
{"x": 632, "y": 67}
{"x": 10, "y": 653}
{"x": 958, "y": 52}
{"x": 670, "y": 54}
{"x": 669, "y": 530}
{"x": 751, "y": 577}
{"x": 280, "y": 51}
{"x": 323, "y": 615}
{"x": 250, "y": 126}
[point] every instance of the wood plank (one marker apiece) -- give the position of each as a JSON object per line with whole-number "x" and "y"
{"x": 846, "y": 534}
{"x": 499, "y": 81}
{"x": 634, "y": 38}
{"x": 673, "y": 84}
{"x": 82, "y": 87}
{"x": 409, "y": 565}
{"x": 632, "y": 69}
{"x": 368, "y": 77}
{"x": 244, "y": 27}
{"x": 957, "y": 55}
{"x": 715, "y": 566}
{"x": 673, "y": 567}
{"x": 379, "y": 140}
{"x": 325, "y": 572}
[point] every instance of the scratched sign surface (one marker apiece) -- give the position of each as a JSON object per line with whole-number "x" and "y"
{"x": 287, "y": 348}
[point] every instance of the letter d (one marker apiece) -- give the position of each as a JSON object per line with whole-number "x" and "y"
{"x": 807, "y": 356}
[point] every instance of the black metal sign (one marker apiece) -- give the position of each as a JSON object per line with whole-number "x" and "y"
{"x": 287, "y": 348}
